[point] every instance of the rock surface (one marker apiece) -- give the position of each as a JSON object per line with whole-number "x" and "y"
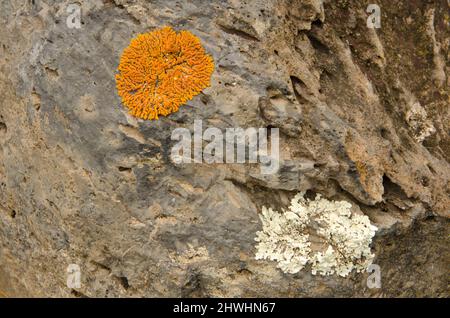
{"x": 363, "y": 116}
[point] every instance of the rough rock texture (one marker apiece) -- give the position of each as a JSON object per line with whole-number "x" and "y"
{"x": 363, "y": 116}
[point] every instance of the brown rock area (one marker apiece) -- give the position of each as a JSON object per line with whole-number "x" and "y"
{"x": 363, "y": 116}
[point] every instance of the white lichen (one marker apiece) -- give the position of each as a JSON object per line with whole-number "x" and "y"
{"x": 322, "y": 233}
{"x": 421, "y": 126}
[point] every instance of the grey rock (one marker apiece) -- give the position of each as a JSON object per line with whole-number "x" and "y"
{"x": 82, "y": 182}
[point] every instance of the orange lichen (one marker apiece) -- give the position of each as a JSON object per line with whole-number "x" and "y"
{"x": 162, "y": 70}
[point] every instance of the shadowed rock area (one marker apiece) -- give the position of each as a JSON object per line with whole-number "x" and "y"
{"x": 363, "y": 116}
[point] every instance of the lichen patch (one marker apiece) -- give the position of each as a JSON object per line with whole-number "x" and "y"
{"x": 344, "y": 244}
{"x": 160, "y": 71}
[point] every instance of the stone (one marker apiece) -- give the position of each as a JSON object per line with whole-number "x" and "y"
{"x": 82, "y": 182}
